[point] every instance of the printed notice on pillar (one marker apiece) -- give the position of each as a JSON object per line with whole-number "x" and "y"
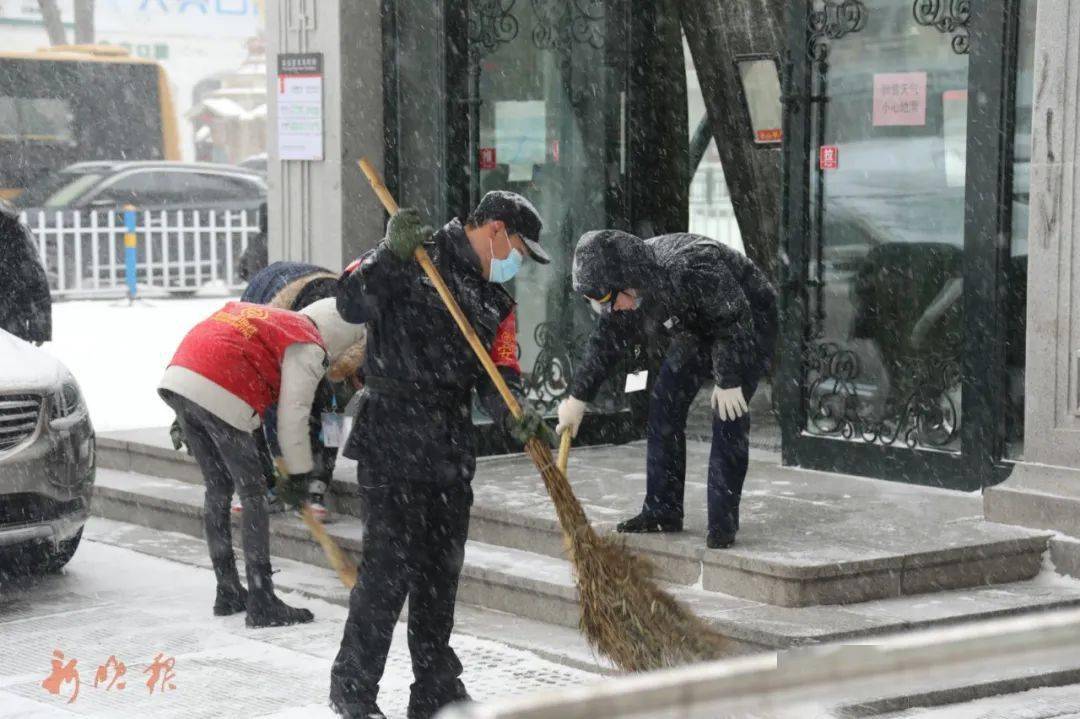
{"x": 899, "y": 99}
{"x": 300, "y": 106}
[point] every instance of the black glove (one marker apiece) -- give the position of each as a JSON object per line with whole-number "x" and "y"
{"x": 530, "y": 424}
{"x": 405, "y": 232}
{"x": 292, "y": 489}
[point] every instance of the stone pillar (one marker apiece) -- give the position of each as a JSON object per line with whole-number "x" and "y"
{"x": 322, "y": 211}
{"x": 1044, "y": 490}
{"x": 1052, "y": 402}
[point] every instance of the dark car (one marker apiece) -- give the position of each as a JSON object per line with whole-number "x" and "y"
{"x": 111, "y": 185}
{"x": 192, "y": 221}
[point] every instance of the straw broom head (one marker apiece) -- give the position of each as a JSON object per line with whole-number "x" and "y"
{"x": 624, "y": 613}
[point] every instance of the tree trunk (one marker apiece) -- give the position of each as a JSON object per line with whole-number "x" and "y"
{"x": 54, "y": 26}
{"x": 718, "y": 31}
{"x": 84, "y": 22}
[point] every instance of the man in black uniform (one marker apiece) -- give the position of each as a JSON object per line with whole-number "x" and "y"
{"x": 718, "y": 311}
{"x": 413, "y": 437}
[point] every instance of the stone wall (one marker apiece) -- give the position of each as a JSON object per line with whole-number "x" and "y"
{"x": 1052, "y": 427}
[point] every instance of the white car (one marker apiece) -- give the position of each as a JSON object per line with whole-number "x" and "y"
{"x": 47, "y": 460}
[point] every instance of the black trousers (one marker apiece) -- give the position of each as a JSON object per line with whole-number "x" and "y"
{"x": 413, "y": 547}
{"x": 228, "y": 458}
{"x": 681, "y": 376}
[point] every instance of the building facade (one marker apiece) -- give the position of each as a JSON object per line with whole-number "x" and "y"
{"x": 895, "y": 216}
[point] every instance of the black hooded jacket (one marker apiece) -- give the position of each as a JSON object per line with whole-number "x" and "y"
{"x": 25, "y": 303}
{"x": 694, "y": 290}
{"x": 415, "y": 416}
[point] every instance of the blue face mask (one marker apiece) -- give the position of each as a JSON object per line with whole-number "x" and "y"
{"x": 505, "y": 269}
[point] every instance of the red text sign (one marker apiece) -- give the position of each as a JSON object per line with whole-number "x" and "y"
{"x": 829, "y": 157}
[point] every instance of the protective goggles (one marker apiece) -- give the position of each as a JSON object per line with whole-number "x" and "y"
{"x": 602, "y": 305}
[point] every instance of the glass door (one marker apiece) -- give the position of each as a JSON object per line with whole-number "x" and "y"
{"x": 881, "y": 325}
{"x": 547, "y": 119}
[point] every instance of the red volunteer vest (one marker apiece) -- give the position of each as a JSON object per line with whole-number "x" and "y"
{"x": 240, "y": 348}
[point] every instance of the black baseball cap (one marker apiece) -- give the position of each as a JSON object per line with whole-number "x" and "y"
{"x": 518, "y": 214}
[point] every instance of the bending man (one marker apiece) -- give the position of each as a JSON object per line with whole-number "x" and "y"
{"x": 227, "y": 371}
{"x": 718, "y": 312}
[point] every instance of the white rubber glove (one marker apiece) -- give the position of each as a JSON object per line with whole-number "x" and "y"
{"x": 729, "y": 404}
{"x": 571, "y": 413}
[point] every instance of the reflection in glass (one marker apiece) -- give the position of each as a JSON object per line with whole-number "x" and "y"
{"x": 882, "y": 361}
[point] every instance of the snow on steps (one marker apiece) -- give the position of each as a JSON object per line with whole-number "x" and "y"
{"x": 540, "y": 587}
{"x": 814, "y": 538}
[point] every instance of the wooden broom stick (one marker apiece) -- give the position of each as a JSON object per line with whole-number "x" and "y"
{"x": 564, "y": 451}
{"x": 339, "y": 560}
{"x": 448, "y": 299}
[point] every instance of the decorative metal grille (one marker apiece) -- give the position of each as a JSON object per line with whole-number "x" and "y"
{"x": 491, "y": 23}
{"x": 922, "y": 409}
{"x": 561, "y": 24}
{"x": 554, "y": 367}
{"x": 949, "y": 17}
{"x": 832, "y": 20}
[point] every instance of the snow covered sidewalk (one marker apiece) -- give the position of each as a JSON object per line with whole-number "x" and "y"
{"x": 113, "y": 601}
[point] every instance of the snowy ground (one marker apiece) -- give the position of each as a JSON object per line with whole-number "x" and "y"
{"x": 118, "y": 353}
{"x": 115, "y": 602}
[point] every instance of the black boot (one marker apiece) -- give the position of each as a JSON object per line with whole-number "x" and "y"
{"x": 425, "y": 701}
{"x": 264, "y": 609}
{"x": 231, "y": 595}
{"x": 719, "y": 540}
{"x": 348, "y": 700}
{"x": 646, "y": 523}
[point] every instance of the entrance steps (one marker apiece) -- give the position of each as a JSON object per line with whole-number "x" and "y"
{"x": 820, "y": 557}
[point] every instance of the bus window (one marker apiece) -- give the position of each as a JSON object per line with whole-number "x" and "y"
{"x": 36, "y": 119}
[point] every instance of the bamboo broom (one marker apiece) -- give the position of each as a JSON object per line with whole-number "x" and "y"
{"x": 339, "y": 560}
{"x": 624, "y": 614}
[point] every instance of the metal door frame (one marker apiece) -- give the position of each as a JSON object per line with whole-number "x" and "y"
{"x": 989, "y": 37}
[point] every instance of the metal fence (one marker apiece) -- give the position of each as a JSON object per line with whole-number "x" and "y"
{"x": 711, "y": 213}
{"x": 177, "y": 251}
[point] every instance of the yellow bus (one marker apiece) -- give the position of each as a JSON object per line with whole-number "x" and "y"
{"x": 73, "y": 103}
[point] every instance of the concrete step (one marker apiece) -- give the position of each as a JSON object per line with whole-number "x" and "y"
{"x": 1037, "y": 495}
{"x": 808, "y": 538}
{"x": 540, "y": 587}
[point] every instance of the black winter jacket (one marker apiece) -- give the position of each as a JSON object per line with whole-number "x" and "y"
{"x": 25, "y": 303}
{"x": 414, "y": 418}
{"x": 695, "y": 290}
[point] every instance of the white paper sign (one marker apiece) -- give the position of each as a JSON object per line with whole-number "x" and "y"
{"x": 637, "y": 381}
{"x": 299, "y": 106}
{"x": 333, "y": 425}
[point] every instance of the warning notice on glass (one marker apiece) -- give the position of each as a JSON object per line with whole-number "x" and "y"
{"x": 899, "y": 99}
{"x": 300, "y": 106}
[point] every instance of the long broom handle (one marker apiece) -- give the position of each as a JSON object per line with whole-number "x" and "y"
{"x": 564, "y": 451}
{"x": 432, "y": 272}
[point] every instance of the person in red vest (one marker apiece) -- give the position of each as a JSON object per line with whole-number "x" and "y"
{"x": 227, "y": 371}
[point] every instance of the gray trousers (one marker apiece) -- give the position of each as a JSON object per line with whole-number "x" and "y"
{"x": 229, "y": 458}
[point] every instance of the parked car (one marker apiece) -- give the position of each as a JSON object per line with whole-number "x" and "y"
{"x": 259, "y": 163}
{"x": 192, "y": 221}
{"x": 109, "y": 185}
{"x": 47, "y": 460}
